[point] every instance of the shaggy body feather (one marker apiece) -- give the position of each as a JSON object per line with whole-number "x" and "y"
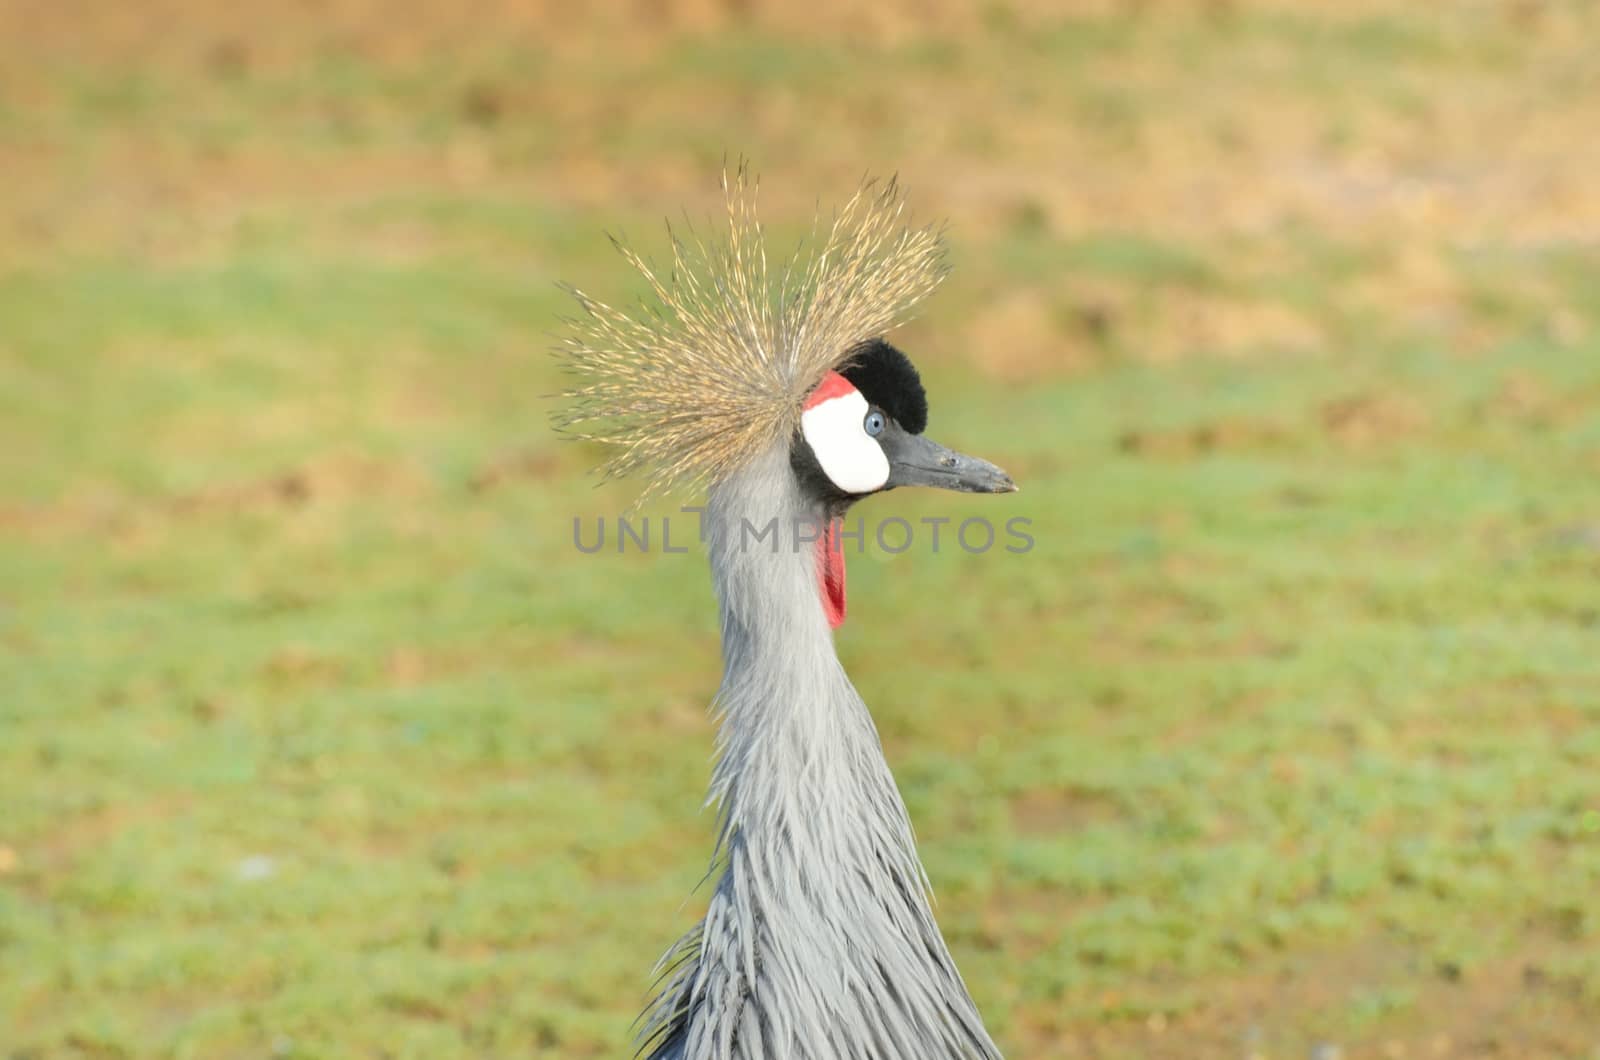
{"x": 819, "y": 942}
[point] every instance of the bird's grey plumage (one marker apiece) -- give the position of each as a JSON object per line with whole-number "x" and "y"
{"x": 819, "y": 942}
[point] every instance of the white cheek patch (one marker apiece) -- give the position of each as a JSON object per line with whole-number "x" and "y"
{"x": 834, "y": 428}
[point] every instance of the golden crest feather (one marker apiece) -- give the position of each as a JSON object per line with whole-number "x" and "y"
{"x": 713, "y": 371}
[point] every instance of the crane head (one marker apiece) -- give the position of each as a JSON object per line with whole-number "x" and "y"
{"x": 861, "y": 433}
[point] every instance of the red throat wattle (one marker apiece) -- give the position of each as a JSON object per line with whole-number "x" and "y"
{"x": 830, "y": 573}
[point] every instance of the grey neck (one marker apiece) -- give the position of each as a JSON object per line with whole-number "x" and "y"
{"x": 819, "y": 942}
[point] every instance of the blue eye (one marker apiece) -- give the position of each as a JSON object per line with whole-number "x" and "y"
{"x": 873, "y": 423}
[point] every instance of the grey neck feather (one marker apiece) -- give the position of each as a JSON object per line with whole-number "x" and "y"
{"x": 819, "y": 943}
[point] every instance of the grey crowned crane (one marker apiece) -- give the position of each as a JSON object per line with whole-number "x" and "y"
{"x": 775, "y": 391}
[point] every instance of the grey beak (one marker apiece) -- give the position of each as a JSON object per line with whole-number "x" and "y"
{"x": 918, "y": 461}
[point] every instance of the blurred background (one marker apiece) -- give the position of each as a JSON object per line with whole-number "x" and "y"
{"x": 317, "y": 739}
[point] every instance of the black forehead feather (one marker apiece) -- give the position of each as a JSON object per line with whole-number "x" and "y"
{"x": 887, "y": 378}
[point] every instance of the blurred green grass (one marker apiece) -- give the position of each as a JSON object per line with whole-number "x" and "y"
{"x": 319, "y": 740}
